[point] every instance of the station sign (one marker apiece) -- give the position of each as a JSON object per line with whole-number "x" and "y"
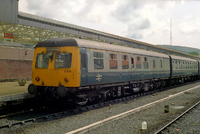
{"x": 7, "y": 40}
{"x": 8, "y": 37}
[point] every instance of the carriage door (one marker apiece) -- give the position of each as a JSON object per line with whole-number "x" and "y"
{"x": 132, "y": 66}
{"x": 84, "y": 66}
{"x": 154, "y": 68}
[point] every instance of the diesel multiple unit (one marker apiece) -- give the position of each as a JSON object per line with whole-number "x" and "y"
{"x": 83, "y": 70}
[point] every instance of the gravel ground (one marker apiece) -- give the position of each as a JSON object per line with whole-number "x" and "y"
{"x": 154, "y": 116}
{"x": 188, "y": 124}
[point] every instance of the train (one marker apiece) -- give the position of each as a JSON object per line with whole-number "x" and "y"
{"x": 83, "y": 71}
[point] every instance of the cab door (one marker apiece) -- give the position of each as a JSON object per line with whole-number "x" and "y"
{"x": 84, "y": 66}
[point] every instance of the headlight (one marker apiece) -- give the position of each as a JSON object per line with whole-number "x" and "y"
{"x": 37, "y": 78}
{"x": 66, "y": 80}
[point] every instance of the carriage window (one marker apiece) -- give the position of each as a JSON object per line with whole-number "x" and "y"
{"x": 188, "y": 65}
{"x": 42, "y": 60}
{"x": 83, "y": 61}
{"x": 113, "y": 61}
{"x": 138, "y": 63}
{"x": 132, "y": 62}
{"x": 125, "y": 62}
{"x": 176, "y": 65}
{"x": 185, "y": 65}
{"x": 154, "y": 64}
{"x": 63, "y": 60}
{"x": 161, "y": 65}
{"x": 145, "y": 63}
{"x": 98, "y": 60}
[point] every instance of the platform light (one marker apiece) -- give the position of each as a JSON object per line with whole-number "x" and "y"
{"x": 26, "y": 52}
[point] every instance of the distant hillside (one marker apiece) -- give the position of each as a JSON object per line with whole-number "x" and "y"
{"x": 181, "y": 49}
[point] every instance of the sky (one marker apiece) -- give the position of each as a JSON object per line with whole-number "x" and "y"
{"x": 143, "y": 20}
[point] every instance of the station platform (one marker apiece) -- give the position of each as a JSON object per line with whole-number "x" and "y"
{"x": 10, "y": 91}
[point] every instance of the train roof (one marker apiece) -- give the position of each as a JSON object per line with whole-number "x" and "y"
{"x": 182, "y": 58}
{"x": 61, "y": 42}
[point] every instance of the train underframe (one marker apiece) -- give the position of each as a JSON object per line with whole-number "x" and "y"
{"x": 99, "y": 93}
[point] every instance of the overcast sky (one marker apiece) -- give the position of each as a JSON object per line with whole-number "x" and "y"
{"x": 143, "y": 20}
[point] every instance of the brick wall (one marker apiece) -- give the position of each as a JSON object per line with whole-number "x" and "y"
{"x": 15, "y": 63}
{"x": 15, "y": 69}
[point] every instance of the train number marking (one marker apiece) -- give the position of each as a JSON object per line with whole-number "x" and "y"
{"x": 98, "y": 77}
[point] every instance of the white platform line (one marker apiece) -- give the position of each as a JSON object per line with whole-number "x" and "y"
{"x": 86, "y": 128}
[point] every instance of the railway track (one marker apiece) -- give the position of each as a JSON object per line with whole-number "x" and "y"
{"x": 127, "y": 113}
{"x": 56, "y": 115}
{"x": 166, "y": 128}
{"x": 51, "y": 116}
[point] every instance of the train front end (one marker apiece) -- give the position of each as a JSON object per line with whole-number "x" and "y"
{"x": 55, "y": 68}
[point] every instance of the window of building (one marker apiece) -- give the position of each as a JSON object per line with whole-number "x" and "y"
{"x": 125, "y": 62}
{"x": 98, "y": 60}
{"x": 83, "y": 61}
{"x": 113, "y": 61}
{"x": 138, "y": 63}
{"x": 145, "y": 63}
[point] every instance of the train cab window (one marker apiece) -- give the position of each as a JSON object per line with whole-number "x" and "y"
{"x": 98, "y": 60}
{"x": 83, "y": 61}
{"x": 113, "y": 61}
{"x": 42, "y": 60}
{"x": 132, "y": 62}
{"x": 145, "y": 63}
{"x": 63, "y": 60}
{"x": 125, "y": 62}
{"x": 138, "y": 63}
